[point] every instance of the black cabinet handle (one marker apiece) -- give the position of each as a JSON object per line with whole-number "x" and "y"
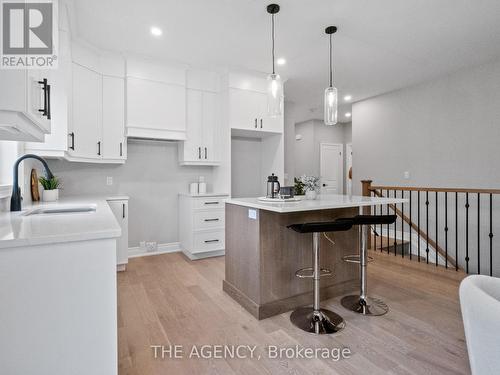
{"x": 121, "y": 149}
{"x": 261, "y": 123}
{"x": 255, "y": 123}
{"x": 210, "y": 241}
{"x": 72, "y": 135}
{"x": 212, "y": 202}
{"x": 48, "y": 102}
{"x": 211, "y": 219}
{"x": 205, "y": 152}
{"x": 199, "y": 152}
{"x": 123, "y": 210}
{"x": 99, "y": 148}
{"x": 44, "y": 110}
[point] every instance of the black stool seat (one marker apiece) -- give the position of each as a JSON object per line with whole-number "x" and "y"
{"x": 373, "y": 219}
{"x": 323, "y": 226}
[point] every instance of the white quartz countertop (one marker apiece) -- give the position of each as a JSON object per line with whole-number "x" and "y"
{"x": 322, "y": 202}
{"x": 18, "y": 229}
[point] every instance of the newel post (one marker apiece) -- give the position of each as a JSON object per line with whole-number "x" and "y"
{"x": 366, "y": 192}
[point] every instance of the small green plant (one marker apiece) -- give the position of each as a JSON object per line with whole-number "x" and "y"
{"x": 299, "y": 187}
{"x": 50, "y": 183}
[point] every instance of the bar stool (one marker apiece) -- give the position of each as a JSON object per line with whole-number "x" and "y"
{"x": 315, "y": 319}
{"x": 361, "y": 303}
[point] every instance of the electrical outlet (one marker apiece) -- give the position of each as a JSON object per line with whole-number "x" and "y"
{"x": 151, "y": 246}
{"x": 109, "y": 180}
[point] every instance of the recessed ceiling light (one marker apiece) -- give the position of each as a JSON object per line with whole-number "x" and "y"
{"x": 347, "y": 98}
{"x": 156, "y": 31}
{"x": 281, "y": 61}
{"x": 348, "y": 114}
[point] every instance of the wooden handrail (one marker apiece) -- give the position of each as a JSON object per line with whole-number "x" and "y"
{"x": 439, "y": 190}
{"x": 417, "y": 229}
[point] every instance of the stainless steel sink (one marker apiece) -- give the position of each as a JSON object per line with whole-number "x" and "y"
{"x": 61, "y": 210}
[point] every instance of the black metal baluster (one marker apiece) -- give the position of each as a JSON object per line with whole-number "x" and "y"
{"x": 418, "y": 223}
{"x": 446, "y": 229}
{"x": 456, "y": 231}
{"x": 409, "y": 192}
{"x": 387, "y": 234}
{"x": 437, "y": 230}
{"x": 395, "y": 227}
{"x": 478, "y": 234}
{"x": 467, "y": 232}
{"x": 427, "y": 225}
{"x": 491, "y": 235}
{"x": 402, "y": 226}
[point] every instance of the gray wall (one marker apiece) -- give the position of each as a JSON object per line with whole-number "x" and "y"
{"x": 446, "y": 133}
{"x": 151, "y": 177}
{"x": 246, "y": 176}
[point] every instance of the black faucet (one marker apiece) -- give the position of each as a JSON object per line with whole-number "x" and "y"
{"x": 15, "y": 199}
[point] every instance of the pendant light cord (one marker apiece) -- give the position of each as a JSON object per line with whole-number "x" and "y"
{"x": 331, "y": 69}
{"x": 272, "y": 38}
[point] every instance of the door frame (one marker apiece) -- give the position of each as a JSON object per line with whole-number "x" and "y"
{"x": 342, "y": 162}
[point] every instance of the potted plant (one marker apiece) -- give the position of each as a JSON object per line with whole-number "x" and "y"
{"x": 298, "y": 187}
{"x": 50, "y": 188}
{"x": 311, "y": 185}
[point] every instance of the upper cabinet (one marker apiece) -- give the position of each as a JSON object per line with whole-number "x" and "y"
{"x": 248, "y": 107}
{"x": 202, "y": 120}
{"x": 156, "y": 101}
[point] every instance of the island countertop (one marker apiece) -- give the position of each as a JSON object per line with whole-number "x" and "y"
{"x": 322, "y": 202}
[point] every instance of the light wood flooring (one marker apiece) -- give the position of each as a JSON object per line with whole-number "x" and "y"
{"x": 169, "y": 300}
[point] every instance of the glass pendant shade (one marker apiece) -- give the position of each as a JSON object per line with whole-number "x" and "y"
{"x": 274, "y": 95}
{"x": 331, "y": 101}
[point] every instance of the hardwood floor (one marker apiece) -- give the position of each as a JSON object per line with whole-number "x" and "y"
{"x": 169, "y": 300}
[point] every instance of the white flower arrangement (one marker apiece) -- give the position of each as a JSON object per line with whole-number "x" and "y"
{"x": 311, "y": 183}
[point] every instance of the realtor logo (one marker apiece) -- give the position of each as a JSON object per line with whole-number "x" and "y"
{"x": 29, "y": 34}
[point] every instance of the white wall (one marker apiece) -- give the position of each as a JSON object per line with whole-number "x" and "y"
{"x": 151, "y": 177}
{"x": 445, "y": 132}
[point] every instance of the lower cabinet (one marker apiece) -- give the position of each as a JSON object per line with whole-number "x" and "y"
{"x": 119, "y": 206}
{"x": 201, "y": 225}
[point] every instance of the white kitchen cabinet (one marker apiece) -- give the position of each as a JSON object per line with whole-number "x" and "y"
{"x": 119, "y": 206}
{"x": 113, "y": 118}
{"x": 202, "y": 120}
{"x": 25, "y": 108}
{"x": 201, "y": 225}
{"x": 156, "y": 101}
{"x": 85, "y": 129}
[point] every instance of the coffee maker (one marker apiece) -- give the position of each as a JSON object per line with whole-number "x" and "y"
{"x": 273, "y": 186}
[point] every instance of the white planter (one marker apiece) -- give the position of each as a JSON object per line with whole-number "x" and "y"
{"x": 50, "y": 195}
{"x": 311, "y": 194}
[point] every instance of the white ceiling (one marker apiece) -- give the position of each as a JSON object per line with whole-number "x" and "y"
{"x": 381, "y": 45}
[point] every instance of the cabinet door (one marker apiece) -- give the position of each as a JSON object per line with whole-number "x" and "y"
{"x": 39, "y": 97}
{"x": 194, "y": 119}
{"x": 273, "y": 124}
{"x": 86, "y": 112}
{"x": 156, "y": 105}
{"x": 120, "y": 210}
{"x": 245, "y": 108}
{"x": 113, "y": 118}
{"x": 209, "y": 128}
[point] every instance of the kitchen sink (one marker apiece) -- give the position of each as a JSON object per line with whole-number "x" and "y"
{"x": 61, "y": 210}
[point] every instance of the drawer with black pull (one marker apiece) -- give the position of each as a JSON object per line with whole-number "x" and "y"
{"x": 208, "y": 219}
{"x": 209, "y": 241}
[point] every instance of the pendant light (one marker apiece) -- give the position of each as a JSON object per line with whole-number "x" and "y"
{"x": 274, "y": 84}
{"x": 331, "y": 95}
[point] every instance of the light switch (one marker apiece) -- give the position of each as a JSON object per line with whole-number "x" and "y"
{"x": 407, "y": 175}
{"x": 109, "y": 180}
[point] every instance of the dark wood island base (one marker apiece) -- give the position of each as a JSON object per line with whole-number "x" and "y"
{"x": 262, "y": 256}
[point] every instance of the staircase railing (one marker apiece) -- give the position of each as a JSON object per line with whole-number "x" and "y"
{"x": 451, "y": 227}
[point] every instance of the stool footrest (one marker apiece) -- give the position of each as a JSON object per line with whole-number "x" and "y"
{"x": 355, "y": 259}
{"x": 308, "y": 273}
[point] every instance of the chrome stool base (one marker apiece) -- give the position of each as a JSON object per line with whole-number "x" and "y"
{"x": 319, "y": 322}
{"x": 371, "y": 306}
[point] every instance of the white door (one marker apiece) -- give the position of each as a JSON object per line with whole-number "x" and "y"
{"x": 194, "y": 118}
{"x": 113, "y": 118}
{"x": 86, "y": 113}
{"x": 331, "y": 168}
{"x": 348, "y": 167}
{"x": 210, "y": 116}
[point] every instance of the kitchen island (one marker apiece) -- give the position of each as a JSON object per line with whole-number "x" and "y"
{"x": 262, "y": 254}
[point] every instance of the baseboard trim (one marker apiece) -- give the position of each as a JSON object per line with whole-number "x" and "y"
{"x": 164, "y": 248}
